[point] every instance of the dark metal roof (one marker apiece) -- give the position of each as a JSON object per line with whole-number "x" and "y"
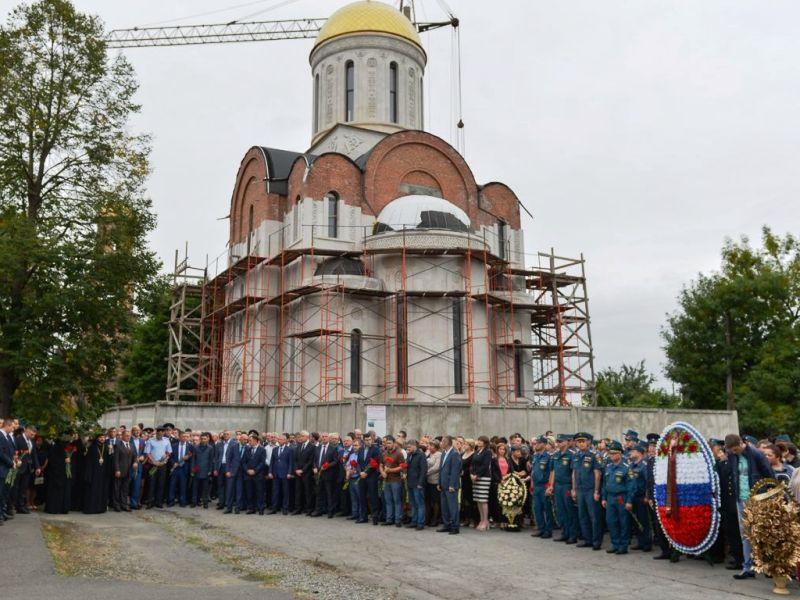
{"x": 340, "y": 265}
{"x": 279, "y": 165}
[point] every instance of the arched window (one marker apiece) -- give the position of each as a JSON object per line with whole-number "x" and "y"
{"x": 501, "y": 238}
{"x": 316, "y": 103}
{"x": 355, "y": 361}
{"x": 249, "y": 229}
{"x": 296, "y": 219}
{"x": 349, "y": 90}
{"x": 519, "y": 381}
{"x": 332, "y": 204}
{"x": 458, "y": 343}
{"x": 393, "y": 92}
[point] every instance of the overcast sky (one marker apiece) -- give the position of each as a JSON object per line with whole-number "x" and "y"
{"x": 639, "y": 133}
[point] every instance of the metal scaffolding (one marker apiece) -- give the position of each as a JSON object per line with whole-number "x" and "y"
{"x": 274, "y": 331}
{"x": 185, "y": 364}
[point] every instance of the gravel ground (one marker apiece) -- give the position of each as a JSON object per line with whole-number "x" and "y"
{"x": 257, "y": 562}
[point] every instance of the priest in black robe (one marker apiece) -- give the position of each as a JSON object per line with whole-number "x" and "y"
{"x": 58, "y": 487}
{"x": 96, "y": 476}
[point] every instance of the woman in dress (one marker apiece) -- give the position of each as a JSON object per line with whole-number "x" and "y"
{"x": 434, "y": 458}
{"x": 469, "y": 512}
{"x": 481, "y": 477}
{"x": 96, "y": 471}
{"x": 59, "y": 486}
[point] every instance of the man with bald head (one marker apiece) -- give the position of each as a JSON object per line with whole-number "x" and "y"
{"x": 303, "y": 473}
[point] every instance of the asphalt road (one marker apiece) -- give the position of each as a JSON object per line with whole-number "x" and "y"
{"x": 399, "y": 562}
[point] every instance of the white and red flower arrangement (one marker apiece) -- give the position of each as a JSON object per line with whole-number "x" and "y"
{"x": 686, "y": 489}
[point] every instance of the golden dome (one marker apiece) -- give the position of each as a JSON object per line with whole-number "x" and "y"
{"x": 368, "y": 17}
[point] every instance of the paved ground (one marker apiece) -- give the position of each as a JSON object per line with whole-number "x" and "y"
{"x": 178, "y": 551}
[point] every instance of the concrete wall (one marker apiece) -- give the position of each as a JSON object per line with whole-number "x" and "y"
{"x": 420, "y": 418}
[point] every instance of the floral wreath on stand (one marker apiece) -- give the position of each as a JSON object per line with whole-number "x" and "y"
{"x": 686, "y": 489}
{"x": 511, "y": 493}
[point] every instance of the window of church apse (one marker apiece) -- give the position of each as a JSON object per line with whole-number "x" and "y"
{"x": 518, "y": 373}
{"x": 458, "y": 346}
{"x": 249, "y": 229}
{"x": 393, "y": 92}
{"x": 332, "y": 204}
{"x": 355, "y": 361}
{"x": 316, "y": 103}
{"x": 501, "y": 239}
{"x": 349, "y": 90}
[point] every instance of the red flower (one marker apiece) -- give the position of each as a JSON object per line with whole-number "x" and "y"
{"x": 685, "y": 437}
{"x": 373, "y": 464}
{"x": 69, "y": 449}
{"x": 325, "y": 465}
{"x": 692, "y": 447}
{"x": 620, "y": 501}
{"x": 195, "y": 469}
{"x": 389, "y": 460}
{"x": 354, "y": 463}
{"x": 403, "y": 465}
{"x": 679, "y": 448}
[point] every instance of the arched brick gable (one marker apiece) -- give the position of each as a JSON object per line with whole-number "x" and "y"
{"x": 498, "y": 201}
{"x": 250, "y": 189}
{"x": 401, "y": 153}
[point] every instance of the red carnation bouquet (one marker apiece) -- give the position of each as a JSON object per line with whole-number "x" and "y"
{"x": 403, "y": 465}
{"x": 195, "y": 470}
{"x": 373, "y": 464}
{"x": 325, "y": 466}
{"x": 389, "y": 460}
{"x": 69, "y": 450}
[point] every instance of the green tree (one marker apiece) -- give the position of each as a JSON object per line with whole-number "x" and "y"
{"x": 73, "y": 213}
{"x": 631, "y": 386}
{"x": 144, "y": 366}
{"x": 735, "y": 340}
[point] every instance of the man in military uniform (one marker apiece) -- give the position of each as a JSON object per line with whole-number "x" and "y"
{"x": 650, "y": 491}
{"x": 540, "y": 477}
{"x": 560, "y": 489}
{"x": 586, "y": 479}
{"x": 617, "y": 494}
{"x": 638, "y": 474}
{"x": 630, "y": 439}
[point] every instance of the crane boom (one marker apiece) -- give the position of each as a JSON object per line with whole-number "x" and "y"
{"x": 221, "y": 33}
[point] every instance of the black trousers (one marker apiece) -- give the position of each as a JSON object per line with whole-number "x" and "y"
{"x": 157, "y": 484}
{"x": 368, "y": 492}
{"x": 304, "y": 499}
{"x": 326, "y": 495}
{"x": 254, "y": 492}
{"x": 122, "y": 486}
{"x": 22, "y": 484}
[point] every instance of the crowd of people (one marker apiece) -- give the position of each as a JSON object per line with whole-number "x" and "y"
{"x": 579, "y": 487}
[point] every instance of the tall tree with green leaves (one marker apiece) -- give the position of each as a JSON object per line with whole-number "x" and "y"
{"x": 735, "y": 340}
{"x": 73, "y": 213}
{"x": 632, "y": 386}
{"x": 144, "y": 366}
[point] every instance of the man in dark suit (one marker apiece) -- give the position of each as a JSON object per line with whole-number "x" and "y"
{"x": 254, "y": 466}
{"x": 178, "y": 465}
{"x": 281, "y": 472}
{"x": 415, "y": 481}
{"x": 220, "y": 456}
{"x": 304, "y": 475}
{"x": 369, "y": 458}
{"x": 326, "y": 459}
{"x": 7, "y": 451}
{"x": 137, "y": 444}
{"x": 124, "y": 459}
{"x": 202, "y": 466}
{"x": 29, "y": 466}
{"x": 234, "y": 489}
{"x": 449, "y": 484}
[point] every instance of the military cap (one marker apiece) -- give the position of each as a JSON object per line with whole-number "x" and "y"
{"x": 631, "y": 435}
{"x": 564, "y": 437}
{"x": 640, "y": 447}
{"x": 614, "y": 446}
{"x": 716, "y": 442}
{"x": 652, "y": 438}
{"x": 751, "y": 440}
{"x": 541, "y": 439}
{"x": 783, "y": 438}
{"x": 582, "y": 435}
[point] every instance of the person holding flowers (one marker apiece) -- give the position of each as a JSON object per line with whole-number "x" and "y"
{"x": 368, "y": 464}
{"x": 391, "y": 472}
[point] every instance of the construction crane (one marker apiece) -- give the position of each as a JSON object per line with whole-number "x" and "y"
{"x": 234, "y": 31}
